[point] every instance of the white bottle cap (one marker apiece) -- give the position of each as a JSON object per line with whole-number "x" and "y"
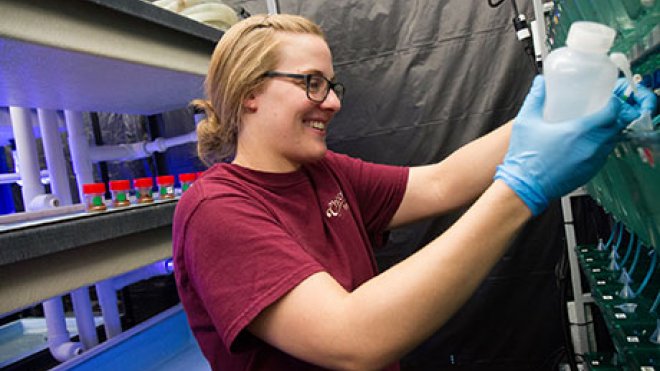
{"x": 590, "y": 37}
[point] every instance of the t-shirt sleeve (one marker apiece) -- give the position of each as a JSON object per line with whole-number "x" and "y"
{"x": 379, "y": 189}
{"x": 240, "y": 261}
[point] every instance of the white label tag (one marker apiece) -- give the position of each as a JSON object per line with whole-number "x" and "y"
{"x": 596, "y": 270}
{"x": 600, "y": 283}
{"x": 646, "y": 368}
{"x": 607, "y": 297}
{"x": 632, "y": 339}
{"x": 620, "y": 315}
{"x": 589, "y": 260}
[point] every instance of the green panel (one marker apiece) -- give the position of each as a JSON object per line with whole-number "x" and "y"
{"x": 634, "y": 21}
{"x": 628, "y": 186}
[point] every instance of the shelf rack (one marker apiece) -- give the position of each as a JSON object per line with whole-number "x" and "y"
{"x": 627, "y": 188}
{"x": 118, "y": 56}
{"x": 124, "y": 56}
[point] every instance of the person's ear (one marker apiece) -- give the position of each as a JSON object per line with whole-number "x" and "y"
{"x": 250, "y": 103}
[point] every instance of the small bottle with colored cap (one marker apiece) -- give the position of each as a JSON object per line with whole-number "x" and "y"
{"x": 119, "y": 190}
{"x": 186, "y": 180}
{"x": 94, "y": 194}
{"x": 165, "y": 187}
{"x": 143, "y": 190}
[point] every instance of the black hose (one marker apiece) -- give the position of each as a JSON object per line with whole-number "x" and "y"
{"x": 495, "y": 5}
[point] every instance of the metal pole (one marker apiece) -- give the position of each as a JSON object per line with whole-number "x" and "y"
{"x": 580, "y": 299}
{"x": 273, "y": 6}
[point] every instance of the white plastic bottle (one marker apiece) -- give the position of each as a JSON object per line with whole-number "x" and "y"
{"x": 579, "y": 77}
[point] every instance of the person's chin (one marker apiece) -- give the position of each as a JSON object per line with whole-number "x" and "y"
{"x": 316, "y": 155}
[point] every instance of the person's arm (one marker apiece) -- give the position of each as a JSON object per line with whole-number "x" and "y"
{"x": 455, "y": 181}
{"x": 373, "y": 326}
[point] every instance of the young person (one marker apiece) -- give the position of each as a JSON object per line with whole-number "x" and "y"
{"x": 273, "y": 246}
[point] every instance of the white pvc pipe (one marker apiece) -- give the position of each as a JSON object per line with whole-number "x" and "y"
{"x": 106, "y": 292}
{"x": 180, "y": 139}
{"x": 43, "y": 202}
{"x": 108, "y": 301}
{"x": 79, "y": 147}
{"x": 26, "y": 149}
{"x": 120, "y": 152}
{"x": 10, "y": 178}
{"x": 59, "y": 340}
{"x": 82, "y": 306}
{"x": 54, "y": 152}
{"x": 138, "y": 150}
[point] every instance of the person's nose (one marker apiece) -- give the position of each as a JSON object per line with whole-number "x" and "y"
{"x": 331, "y": 102}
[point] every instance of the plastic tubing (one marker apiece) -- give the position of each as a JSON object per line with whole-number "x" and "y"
{"x": 609, "y": 240}
{"x": 649, "y": 273}
{"x": 655, "y": 303}
{"x": 628, "y": 250}
{"x": 636, "y": 258}
{"x": 615, "y": 248}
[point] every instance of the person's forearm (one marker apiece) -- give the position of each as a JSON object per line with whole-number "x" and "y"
{"x": 473, "y": 165}
{"x": 454, "y": 182}
{"x": 396, "y": 310}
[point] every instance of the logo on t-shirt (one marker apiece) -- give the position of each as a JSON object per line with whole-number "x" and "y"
{"x": 336, "y": 206}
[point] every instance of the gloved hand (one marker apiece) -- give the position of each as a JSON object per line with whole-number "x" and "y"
{"x": 547, "y": 160}
{"x": 644, "y": 101}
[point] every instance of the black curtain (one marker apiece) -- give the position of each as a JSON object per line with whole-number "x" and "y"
{"x": 423, "y": 78}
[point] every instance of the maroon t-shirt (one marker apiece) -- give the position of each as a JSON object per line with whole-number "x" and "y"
{"x": 243, "y": 238}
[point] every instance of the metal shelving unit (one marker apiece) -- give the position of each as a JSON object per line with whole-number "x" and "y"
{"x": 627, "y": 189}
{"x": 119, "y": 56}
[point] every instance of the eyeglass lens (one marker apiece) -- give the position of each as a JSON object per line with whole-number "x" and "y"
{"x": 318, "y": 88}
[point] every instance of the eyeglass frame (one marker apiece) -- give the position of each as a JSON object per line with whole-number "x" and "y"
{"x": 307, "y": 78}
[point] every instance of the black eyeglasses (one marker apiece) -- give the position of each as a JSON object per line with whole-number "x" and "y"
{"x": 316, "y": 85}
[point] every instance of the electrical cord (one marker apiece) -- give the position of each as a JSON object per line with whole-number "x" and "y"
{"x": 495, "y": 5}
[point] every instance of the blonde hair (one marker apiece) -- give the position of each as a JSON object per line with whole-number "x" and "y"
{"x": 245, "y": 53}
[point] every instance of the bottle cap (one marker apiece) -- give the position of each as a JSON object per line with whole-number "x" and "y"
{"x": 143, "y": 182}
{"x": 165, "y": 180}
{"x": 187, "y": 177}
{"x": 119, "y": 185}
{"x": 92, "y": 188}
{"x": 590, "y": 37}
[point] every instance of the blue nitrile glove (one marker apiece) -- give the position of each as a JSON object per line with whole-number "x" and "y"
{"x": 547, "y": 160}
{"x": 644, "y": 101}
